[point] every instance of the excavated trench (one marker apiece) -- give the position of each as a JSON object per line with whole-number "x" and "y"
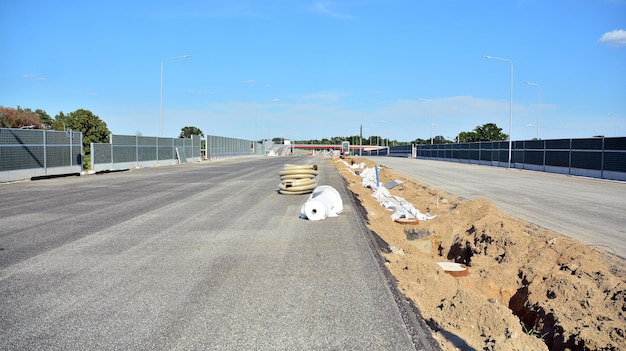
{"x": 538, "y": 319}
{"x": 533, "y": 316}
{"x": 559, "y": 292}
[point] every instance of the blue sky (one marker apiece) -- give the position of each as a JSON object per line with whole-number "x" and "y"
{"x": 316, "y": 69}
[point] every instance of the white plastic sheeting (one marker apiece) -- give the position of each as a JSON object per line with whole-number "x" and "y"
{"x": 368, "y": 178}
{"x": 400, "y": 207}
{"x": 397, "y": 204}
{"x": 353, "y": 166}
{"x": 323, "y": 202}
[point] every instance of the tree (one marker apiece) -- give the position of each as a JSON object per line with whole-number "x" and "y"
{"x": 354, "y": 140}
{"x": 187, "y": 132}
{"x": 440, "y": 139}
{"x": 278, "y": 140}
{"x": 93, "y": 128}
{"x": 420, "y": 141}
{"x": 5, "y": 122}
{"x": 44, "y": 118}
{"x": 373, "y": 140}
{"x": 60, "y": 121}
{"x": 18, "y": 118}
{"x": 336, "y": 140}
{"x": 468, "y": 137}
{"x": 489, "y": 132}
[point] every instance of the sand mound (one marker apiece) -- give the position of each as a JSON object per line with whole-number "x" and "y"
{"x": 528, "y": 288}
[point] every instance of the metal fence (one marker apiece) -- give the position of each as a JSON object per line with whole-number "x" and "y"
{"x": 593, "y": 157}
{"x": 224, "y": 147}
{"x": 28, "y": 153}
{"x": 129, "y": 151}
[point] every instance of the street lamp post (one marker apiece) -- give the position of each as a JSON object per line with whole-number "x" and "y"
{"x": 431, "y": 119}
{"x": 510, "y": 104}
{"x": 161, "y": 109}
{"x": 538, "y": 104}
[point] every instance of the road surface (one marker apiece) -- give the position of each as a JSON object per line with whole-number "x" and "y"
{"x": 590, "y": 210}
{"x": 194, "y": 257}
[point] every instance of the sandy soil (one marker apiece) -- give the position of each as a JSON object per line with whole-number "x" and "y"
{"x": 528, "y": 288}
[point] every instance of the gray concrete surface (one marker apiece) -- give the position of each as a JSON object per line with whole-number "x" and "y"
{"x": 194, "y": 257}
{"x": 590, "y": 210}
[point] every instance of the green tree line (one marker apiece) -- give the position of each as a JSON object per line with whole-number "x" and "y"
{"x": 486, "y": 132}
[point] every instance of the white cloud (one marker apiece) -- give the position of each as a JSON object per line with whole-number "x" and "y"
{"x": 249, "y": 81}
{"x": 323, "y": 7}
{"x": 614, "y": 38}
{"x": 33, "y": 76}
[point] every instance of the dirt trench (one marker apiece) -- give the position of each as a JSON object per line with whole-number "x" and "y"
{"x": 528, "y": 288}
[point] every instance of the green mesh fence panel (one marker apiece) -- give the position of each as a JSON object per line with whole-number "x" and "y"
{"x": 101, "y": 153}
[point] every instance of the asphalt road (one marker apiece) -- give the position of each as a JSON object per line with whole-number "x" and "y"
{"x": 590, "y": 210}
{"x": 194, "y": 257}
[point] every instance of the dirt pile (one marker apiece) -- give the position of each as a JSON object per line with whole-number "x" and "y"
{"x": 528, "y": 288}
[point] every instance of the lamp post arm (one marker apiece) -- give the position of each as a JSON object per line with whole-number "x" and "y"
{"x": 161, "y": 95}
{"x": 538, "y": 107}
{"x": 161, "y": 103}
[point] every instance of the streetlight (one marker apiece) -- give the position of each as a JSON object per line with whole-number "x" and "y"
{"x": 431, "y": 119}
{"x": 510, "y": 104}
{"x": 538, "y": 104}
{"x": 161, "y": 110}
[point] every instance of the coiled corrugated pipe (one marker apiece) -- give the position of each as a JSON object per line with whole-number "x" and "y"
{"x": 297, "y": 179}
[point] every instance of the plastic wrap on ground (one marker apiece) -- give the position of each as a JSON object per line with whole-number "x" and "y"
{"x": 402, "y": 209}
{"x": 325, "y": 201}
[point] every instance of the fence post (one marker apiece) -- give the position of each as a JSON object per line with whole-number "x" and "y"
{"x": 70, "y": 136}
{"x": 569, "y": 161}
{"x": 45, "y": 154}
{"x": 544, "y": 154}
{"x": 111, "y": 139}
{"x": 82, "y": 157}
{"x": 522, "y": 151}
{"x": 602, "y": 160}
{"x": 93, "y": 158}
